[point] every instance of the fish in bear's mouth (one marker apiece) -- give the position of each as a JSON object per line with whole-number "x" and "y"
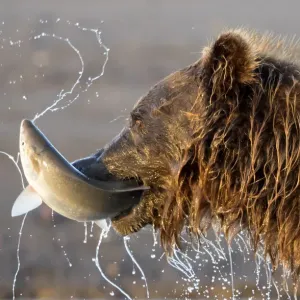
{"x": 81, "y": 191}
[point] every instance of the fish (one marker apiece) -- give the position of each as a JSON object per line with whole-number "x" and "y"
{"x": 53, "y": 180}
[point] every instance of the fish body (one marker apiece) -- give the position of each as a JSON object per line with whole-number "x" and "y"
{"x": 57, "y": 183}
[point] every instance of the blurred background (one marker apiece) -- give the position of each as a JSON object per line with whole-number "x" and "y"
{"x": 147, "y": 41}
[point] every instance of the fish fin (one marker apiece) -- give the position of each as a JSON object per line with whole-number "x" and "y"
{"x": 28, "y": 200}
{"x": 102, "y": 224}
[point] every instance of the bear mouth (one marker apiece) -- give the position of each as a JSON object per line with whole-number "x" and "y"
{"x": 124, "y": 217}
{"x": 129, "y": 221}
{"x": 135, "y": 216}
{"x": 125, "y": 189}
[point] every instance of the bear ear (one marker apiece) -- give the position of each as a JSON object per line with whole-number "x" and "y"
{"x": 230, "y": 61}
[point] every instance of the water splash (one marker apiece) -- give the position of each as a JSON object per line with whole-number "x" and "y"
{"x": 16, "y": 161}
{"x": 62, "y": 94}
{"x": 126, "y": 239}
{"x": 231, "y": 271}
{"x": 65, "y": 254}
{"x": 103, "y": 234}
{"x": 85, "y": 232}
{"x": 18, "y": 258}
{"x": 91, "y": 80}
{"x": 181, "y": 262}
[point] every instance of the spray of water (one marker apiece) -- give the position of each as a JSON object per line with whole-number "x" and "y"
{"x": 126, "y": 239}
{"x": 103, "y": 234}
{"x": 91, "y": 80}
{"x": 15, "y": 161}
{"x": 231, "y": 271}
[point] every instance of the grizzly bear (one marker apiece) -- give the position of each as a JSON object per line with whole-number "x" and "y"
{"x": 218, "y": 142}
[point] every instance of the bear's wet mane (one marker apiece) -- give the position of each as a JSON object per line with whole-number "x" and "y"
{"x": 244, "y": 171}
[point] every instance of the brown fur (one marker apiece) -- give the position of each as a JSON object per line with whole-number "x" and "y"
{"x": 219, "y": 141}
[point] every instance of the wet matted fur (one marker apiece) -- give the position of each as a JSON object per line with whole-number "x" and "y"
{"x": 219, "y": 141}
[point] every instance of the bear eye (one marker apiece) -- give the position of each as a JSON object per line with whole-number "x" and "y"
{"x": 136, "y": 120}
